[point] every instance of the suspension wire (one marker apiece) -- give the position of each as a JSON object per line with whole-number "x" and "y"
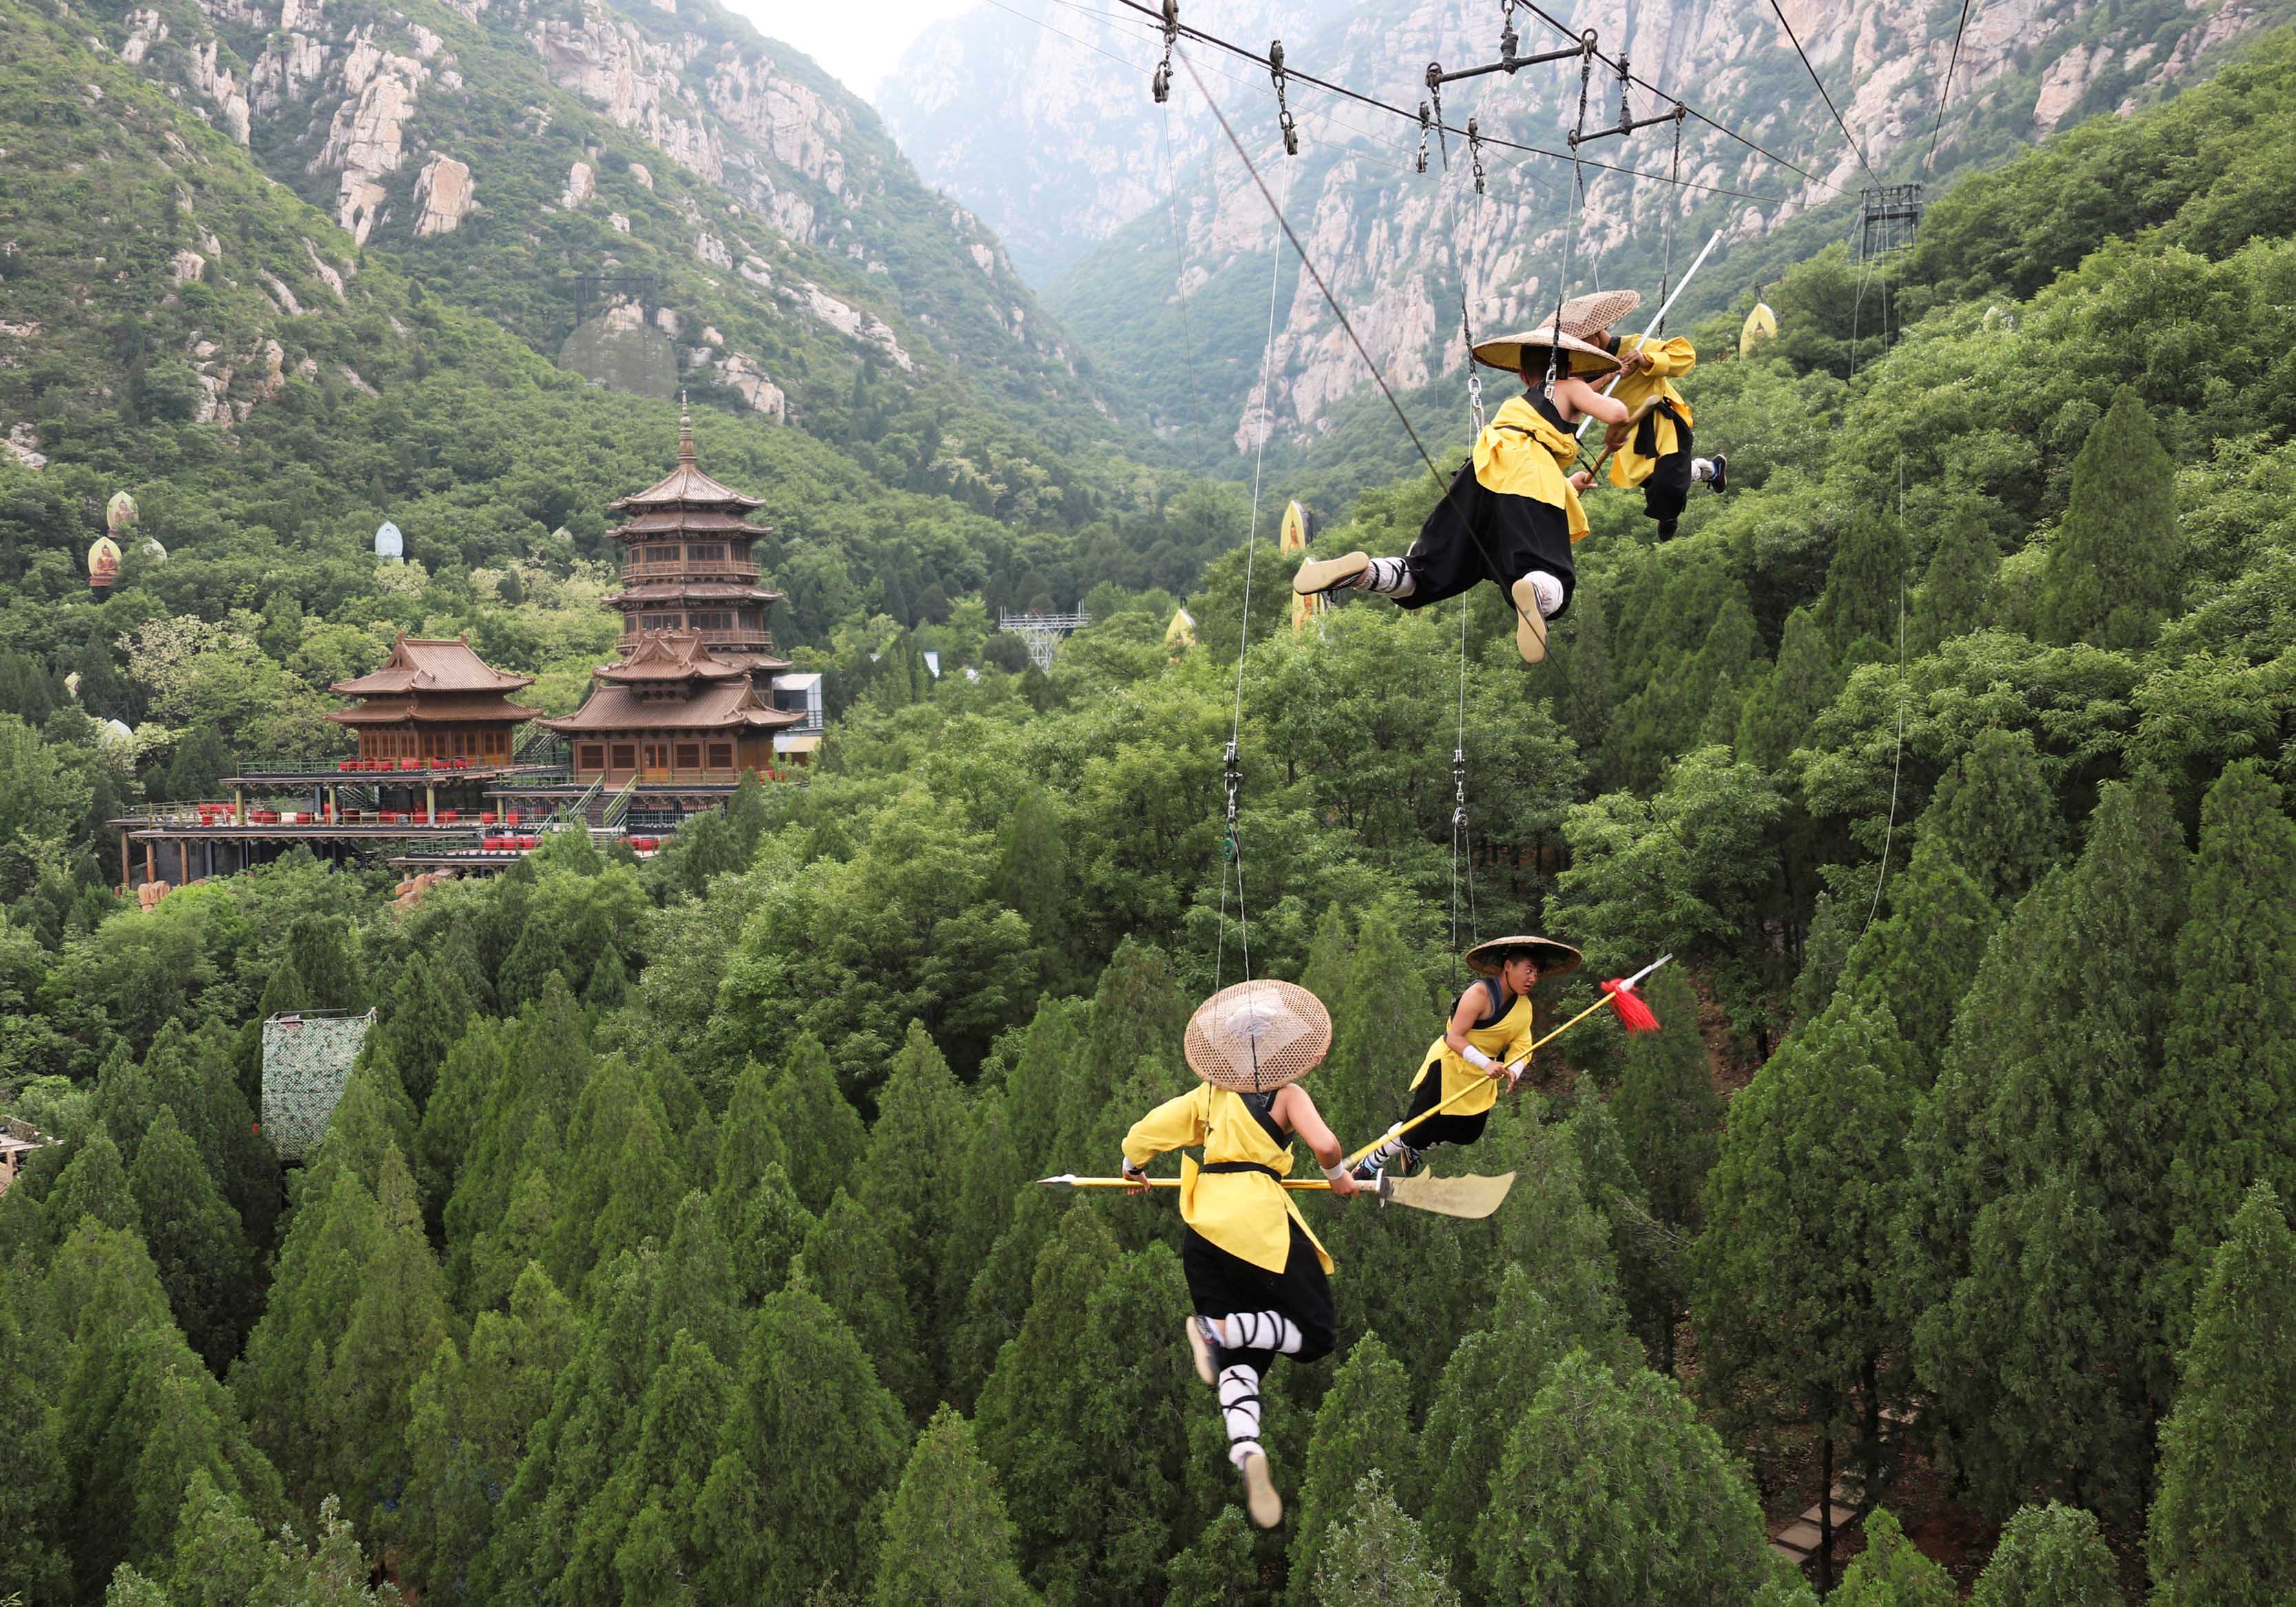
{"x": 1830, "y": 106}
{"x": 1897, "y": 764}
{"x": 1945, "y": 90}
{"x": 1233, "y": 769}
{"x": 1324, "y": 287}
{"x": 1569, "y": 32}
{"x": 1296, "y": 76}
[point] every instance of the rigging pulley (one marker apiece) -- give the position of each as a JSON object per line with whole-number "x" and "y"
{"x": 1423, "y": 126}
{"x": 1283, "y": 112}
{"x": 1508, "y": 61}
{"x": 1231, "y": 773}
{"x": 1475, "y": 151}
{"x": 1162, "y": 86}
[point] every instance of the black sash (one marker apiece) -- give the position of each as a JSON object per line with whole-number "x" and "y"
{"x": 1646, "y": 432}
{"x": 1240, "y": 1165}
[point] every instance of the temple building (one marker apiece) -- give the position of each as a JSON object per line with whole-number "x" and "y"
{"x": 687, "y": 566}
{"x": 670, "y": 710}
{"x": 435, "y": 700}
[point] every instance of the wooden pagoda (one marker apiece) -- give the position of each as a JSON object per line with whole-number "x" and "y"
{"x": 434, "y": 700}
{"x": 686, "y": 565}
{"x": 670, "y": 710}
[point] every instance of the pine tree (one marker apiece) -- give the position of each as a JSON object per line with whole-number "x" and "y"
{"x": 812, "y": 1441}
{"x": 1031, "y": 873}
{"x": 419, "y": 1024}
{"x": 479, "y": 1059}
{"x": 641, "y": 1531}
{"x": 948, "y": 1541}
{"x": 33, "y": 1495}
{"x": 94, "y": 1184}
{"x": 2223, "y": 1528}
{"x": 1791, "y": 1272}
{"x": 627, "y": 1182}
{"x": 695, "y": 1288}
{"x": 2049, "y": 1556}
{"x": 849, "y": 1261}
{"x": 822, "y": 1136}
{"x": 1050, "y": 1051}
{"x": 392, "y": 1330}
{"x": 1652, "y": 1280}
{"x": 2116, "y": 568}
{"x": 1668, "y": 1116}
{"x": 1889, "y": 1572}
{"x": 315, "y": 972}
{"x": 1549, "y": 1228}
{"x": 571, "y": 1454}
{"x": 141, "y": 1415}
{"x": 2036, "y": 1208}
{"x": 915, "y": 1150}
{"x": 1365, "y": 1423}
{"x": 1918, "y": 960}
{"x": 280, "y": 1381}
{"x": 610, "y": 981}
{"x": 1024, "y": 1412}
{"x": 1995, "y": 812}
{"x": 1381, "y": 1020}
{"x": 2231, "y": 1027}
{"x": 989, "y": 1177}
{"x": 1865, "y": 587}
{"x": 541, "y": 953}
{"x": 1377, "y": 1557}
{"x": 1136, "y": 1010}
{"x": 756, "y": 1208}
{"x": 194, "y": 1240}
{"x": 1781, "y": 707}
{"x": 1955, "y": 588}
{"x": 1220, "y": 1568}
{"x": 1487, "y": 1386}
{"x": 1612, "y": 1494}
{"x": 1150, "y": 1444}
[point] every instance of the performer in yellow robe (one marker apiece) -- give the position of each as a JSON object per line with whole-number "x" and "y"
{"x": 1259, "y": 1280}
{"x": 1512, "y": 511}
{"x": 1489, "y": 1034}
{"x": 1652, "y": 447}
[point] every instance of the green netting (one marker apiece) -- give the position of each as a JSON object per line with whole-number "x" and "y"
{"x": 307, "y": 1059}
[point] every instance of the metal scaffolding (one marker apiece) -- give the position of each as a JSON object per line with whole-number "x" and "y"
{"x": 1892, "y": 216}
{"x": 1042, "y": 631}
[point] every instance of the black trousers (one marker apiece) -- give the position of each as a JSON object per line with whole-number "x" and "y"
{"x": 1220, "y": 1284}
{"x": 1446, "y": 1128}
{"x": 1476, "y": 534}
{"x": 1667, "y": 492}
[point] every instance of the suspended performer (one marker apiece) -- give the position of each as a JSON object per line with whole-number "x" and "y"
{"x": 1652, "y": 447}
{"x": 1490, "y": 1028}
{"x": 1512, "y": 510}
{"x": 1259, "y": 1282}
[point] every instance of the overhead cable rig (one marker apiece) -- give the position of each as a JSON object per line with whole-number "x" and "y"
{"x": 1627, "y": 121}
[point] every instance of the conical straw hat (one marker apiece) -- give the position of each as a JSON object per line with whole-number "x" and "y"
{"x": 1596, "y": 311}
{"x": 1554, "y": 959}
{"x": 1258, "y": 1035}
{"x": 1505, "y": 352}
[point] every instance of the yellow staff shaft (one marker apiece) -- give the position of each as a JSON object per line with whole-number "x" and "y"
{"x": 1401, "y": 1128}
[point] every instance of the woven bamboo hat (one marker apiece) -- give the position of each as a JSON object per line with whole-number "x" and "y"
{"x": 1554, "y": 959}
{"x": 1258, "y": 1035}
{"x": 1591, "y": 313}
{"x": 1583, "y": 356}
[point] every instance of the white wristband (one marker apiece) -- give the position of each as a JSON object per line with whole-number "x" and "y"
{"x": 1332, "y": 1173}
{"x": 1477, "y": 1059}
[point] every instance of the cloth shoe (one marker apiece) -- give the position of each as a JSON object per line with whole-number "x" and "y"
{"x": 1210, "y": 1354}
{"x": 1260, "y": 1496}
{"x": 1666, "y": 530}
{"x": 1721, "y": 464}
{"x": 1321, "y": 575}
{"x": 1530, "y": 624}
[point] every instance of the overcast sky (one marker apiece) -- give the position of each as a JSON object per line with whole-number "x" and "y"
{"x": 858, "y": 43}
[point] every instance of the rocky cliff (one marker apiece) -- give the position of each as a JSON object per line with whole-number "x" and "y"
{"x": 718, "y": 185}
{"x": 1400, "y": 247}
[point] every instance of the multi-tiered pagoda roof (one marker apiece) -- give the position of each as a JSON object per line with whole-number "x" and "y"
{"x": 686, "y": 565}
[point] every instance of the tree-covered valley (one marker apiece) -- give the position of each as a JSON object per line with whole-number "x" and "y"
{"x": 676, "y": 1239}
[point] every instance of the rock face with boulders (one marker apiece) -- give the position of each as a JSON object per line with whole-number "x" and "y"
{"x": 443, "y": 196}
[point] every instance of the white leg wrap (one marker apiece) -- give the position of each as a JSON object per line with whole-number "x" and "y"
{"x": 1260, "y": 1331}
{"x": 1549, "y": 591}
{"x": 1388, "y": 577}
{"x": 1702, "y": 469}
{"x": 1239, "y": 1399}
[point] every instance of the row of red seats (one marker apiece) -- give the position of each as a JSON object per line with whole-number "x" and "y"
{"x": 506, "y": 844}
{"x": 362, "y": 767}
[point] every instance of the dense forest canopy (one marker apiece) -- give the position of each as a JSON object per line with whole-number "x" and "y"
{"x": 676, "y": 1239}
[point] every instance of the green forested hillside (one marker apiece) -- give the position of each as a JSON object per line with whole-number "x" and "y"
{"x": 676, "y": 1239}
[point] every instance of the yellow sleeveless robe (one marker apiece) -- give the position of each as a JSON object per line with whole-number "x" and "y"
{"x": 1504, "y": 1039}
{"x": 1522, "y": 454}
{"x": 1247, "y": 1214}
{"x": 1670, "y": 360}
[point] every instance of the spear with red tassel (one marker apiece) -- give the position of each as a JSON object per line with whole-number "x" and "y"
{"x": 1618, "y": 994}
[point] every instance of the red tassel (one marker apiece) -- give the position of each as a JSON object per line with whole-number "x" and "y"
{"x": 1634, "y": 1015}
